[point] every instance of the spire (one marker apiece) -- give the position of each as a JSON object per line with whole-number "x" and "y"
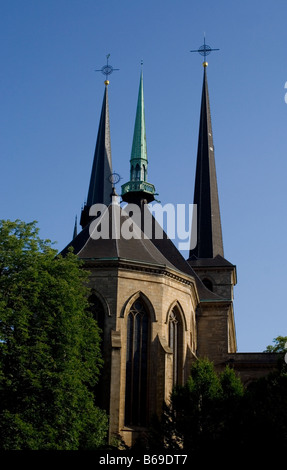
{"x": 139, "y": 150}
{"x": 75, "y": 233}
{"x": 100, "y": 187}
{"x": 138, "y": 189}
{"x": 209, "y": 234}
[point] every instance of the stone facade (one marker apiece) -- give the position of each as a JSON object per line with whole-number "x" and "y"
{"x": 158, "y": 311}
{"x": 205, "y": 329}
{"x": 118, "y": 285}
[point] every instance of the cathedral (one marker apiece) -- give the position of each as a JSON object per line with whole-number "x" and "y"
{"x": 158, "y": 311}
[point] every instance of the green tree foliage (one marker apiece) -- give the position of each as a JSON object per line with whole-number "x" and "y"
{"x": 198, "y": 413}
{"x": 50, "y": 356}
{"x": 215, "y": 411}
{"x": 265, "y": 414}
{"x": 280, "y": 345}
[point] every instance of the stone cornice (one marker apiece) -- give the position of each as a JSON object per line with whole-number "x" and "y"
{"x": 131, "y": 265}
{"x": 231, "y": 268}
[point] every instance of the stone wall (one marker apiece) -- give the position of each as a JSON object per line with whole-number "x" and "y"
{"x": 119, "y": 285}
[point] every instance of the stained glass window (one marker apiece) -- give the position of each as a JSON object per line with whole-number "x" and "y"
{"x": 136, "y": 364}
{"x": 174, "y": 342}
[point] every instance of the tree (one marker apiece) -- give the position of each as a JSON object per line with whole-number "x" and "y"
{"x": 201, "y": 413}
{"x": 50, "y": 356}
{"x": 265, "y": 408}
{"x": 280, "y": 345}
{"x": 214, "y": 412}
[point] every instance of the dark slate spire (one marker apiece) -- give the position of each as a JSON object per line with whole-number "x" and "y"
{"x": 209, "y": 234}
{"x": 138, "y": 188}
{"x": 100, "y": 187}
{"x": 75, "y": 233}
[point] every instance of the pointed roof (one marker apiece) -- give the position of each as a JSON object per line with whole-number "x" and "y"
{"x": 147, "y": 248}
{"x": 75, "y": 233}
{"x": 100, "y": 187}
{"x": 138, "y": 188}
{"x": 209, "y": 232}
{"x": 94, "y": 243}
{"x": 139, "y": 148}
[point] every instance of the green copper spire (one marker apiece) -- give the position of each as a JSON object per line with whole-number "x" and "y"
{"x": 138, "y": 189}
{"x": 139, "y": 151}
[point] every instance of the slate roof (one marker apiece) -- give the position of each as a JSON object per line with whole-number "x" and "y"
{"x": 217, "y": 261}
{"x": 209, "y": 233}
{"x": 148, "y": 250}
{"x": 100, "y": 187}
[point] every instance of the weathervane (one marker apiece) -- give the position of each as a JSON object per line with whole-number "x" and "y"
{"x": 106, "y": 70}
{"x": 204, "y": 50}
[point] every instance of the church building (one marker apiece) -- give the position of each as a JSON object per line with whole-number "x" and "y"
{"x": 158, "y": 311}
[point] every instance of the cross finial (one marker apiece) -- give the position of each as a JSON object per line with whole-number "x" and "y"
{"x": 204, "y": 50}
{"x": 106, "y": 70}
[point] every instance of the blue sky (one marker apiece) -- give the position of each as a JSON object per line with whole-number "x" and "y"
{"x": 50, "y": 106}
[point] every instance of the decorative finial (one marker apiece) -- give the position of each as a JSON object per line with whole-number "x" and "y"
{"x": 114, "y": 178}
{"x": 107, "y": 70}
{"x": 204, "y": 50}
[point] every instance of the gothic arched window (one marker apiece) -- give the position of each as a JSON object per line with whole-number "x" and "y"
{"x": 138, "y": 172}
{"x": 98, "y": 312}
{"x": 132, "y": 173}
{"x": 175, "y": 343}
{"x": 137, "y": 364}
{"x": 144, "y": 173}
{"x": 208, "y": 284}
